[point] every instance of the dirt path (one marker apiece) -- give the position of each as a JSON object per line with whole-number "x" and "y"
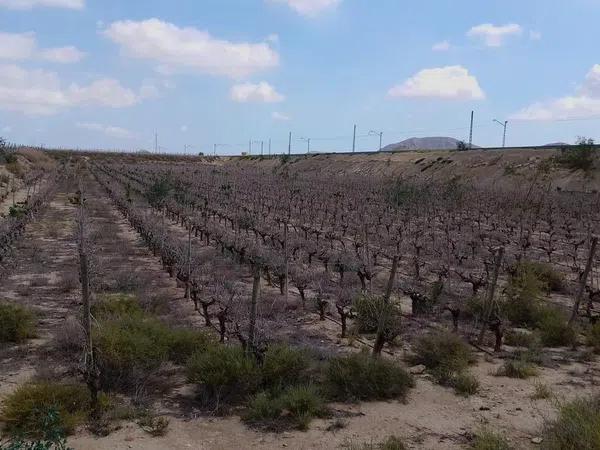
{"x": 45, "y": 262}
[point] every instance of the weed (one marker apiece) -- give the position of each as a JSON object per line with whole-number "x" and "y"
{"x": 517, "y": 368}
{"x": 465, "y": 384}
{"x": 25, "y": 410}
{"x": 577, "y": 426}
{"x": 225, "y": 374}
{"x": 442, "y": 351}
{"x": 361, "y": 377}
{"x": 489, "y": 440}
{"x": 283, "y": 365}
{"x": 541, "y": 392}
{"x": 593, "y": 337}
{"x": 391, "y": 443}
{"x": 17, "y": 324}
{"x": 184, "y": 342}
{"x": 155, "y": 426}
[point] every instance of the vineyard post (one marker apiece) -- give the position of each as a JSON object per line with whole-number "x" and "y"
{"x": 90, "y": 368}
{"x": 253, "y": 304}
{"x": 489, "y": 301}
{"x": 285, "y": 239}
{"x": 380, "y": 338}
{"x": 583, "y": 281}
{"x": 189, "y": 261}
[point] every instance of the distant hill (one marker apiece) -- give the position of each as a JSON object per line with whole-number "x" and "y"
{"x": 426, "y": 143}
{"x": 557, "y": 144}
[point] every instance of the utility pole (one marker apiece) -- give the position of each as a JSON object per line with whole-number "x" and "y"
{"x": 215, "y": 150}
{"x": 250, "y": 147}
{"x": 290, "y": 144}
{"x": 269, "y": 146}
{"x": 262, "y": 146}
{"x": 380, "y": 134}
{"x": 156, "y": 142}
{"x": 308, "y": 143}
{"x": 354, "y": 140}
{"x": 471, "y": 131}
{"x": 504, "y": 125}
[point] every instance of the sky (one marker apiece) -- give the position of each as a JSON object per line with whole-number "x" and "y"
{"x": 113, "y": 74}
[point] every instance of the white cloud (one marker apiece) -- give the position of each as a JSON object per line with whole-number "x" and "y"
{"x": 17, "y": 46}
{"x": 188, "y": 49}
{"x": 103, "y": 92}
{"x": 109, "y": 130}
{"x": 310, "y": 8}
{"x": 249, "y": 92}
{"x": 273, "y": 38}
{"x": 535, "y": 35}
{"x": 441, "y": 46}
{"x": 591, "y": 84}
{"x": 30, "y": 4}
{"x": 23, "y": 46}
{"x": 62, "y": 55}
{"x": 39, "y": 92}
{"x": 184, "y": 128}
{"x": 451, "y": 83}
{"x": 495, "y": 36}
{"x": 280, "y": 116}
{"x": 584, "y": 103}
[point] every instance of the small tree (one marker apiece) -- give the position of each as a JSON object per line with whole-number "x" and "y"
{"x": 581, "y": 156}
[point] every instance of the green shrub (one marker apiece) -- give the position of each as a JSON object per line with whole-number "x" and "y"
{"x": 52, "y": 436}
{"x": 554, "y": 329}
{"x": 578, "y": 157}
{"x": 552, "y": 279}
{"x": 303, "y": 403}
{"x": 295, "y": 407}
{"x": 369, "y": 309}
{"x": 223, "y": 373}
{"x": 475, "y": 306}
{"x": 16, "y": 323}
{"x": 17, "y": 211}
{"x": 284, "y": 365}
{"x": 517, "y": 338}
{"x": 593, "y": 337}
{"x": 542, "y": 391}
{"x": 154, "y": 426}
{"x": 517, "y": 368}
{"x": 442, "y": 351}
{"x": 116, "y": 305}
{"x": 184, "y": 342}
{"x": 488, "y": 440}
{"x": 465, "y": 384}
{"x": 366, "y": 315}
{"x": 263, "y": 410}
{"x": 391, "y": 443}
{"x": 361, "y": 377}
{"x": 524, "y": 295}
{"x": 577, "y": 426}
{"x": 26, "y": 409}
{"x": 129, "y": 350}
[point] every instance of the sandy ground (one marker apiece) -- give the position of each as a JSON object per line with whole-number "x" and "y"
{"x": 433, "y": 418}
{"x": 20, "y": 196}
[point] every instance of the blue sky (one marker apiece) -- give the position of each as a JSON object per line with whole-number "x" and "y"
{"x": 108, "y": 73}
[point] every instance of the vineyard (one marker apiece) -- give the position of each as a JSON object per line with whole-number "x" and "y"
{"x": 221, "y": 303}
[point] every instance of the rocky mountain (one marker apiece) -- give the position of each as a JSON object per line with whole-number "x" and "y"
{"x": 425, "y": 143}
